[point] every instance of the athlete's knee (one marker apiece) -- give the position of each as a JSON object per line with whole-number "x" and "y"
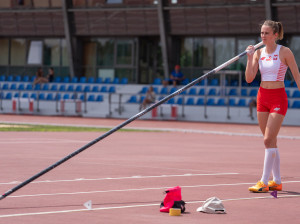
{"x": 270, "y": 142}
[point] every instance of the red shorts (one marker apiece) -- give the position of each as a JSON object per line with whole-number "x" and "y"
{"x": 272, "y": 101}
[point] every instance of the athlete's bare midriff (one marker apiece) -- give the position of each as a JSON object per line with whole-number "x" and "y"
{"x": 272, "y": 84}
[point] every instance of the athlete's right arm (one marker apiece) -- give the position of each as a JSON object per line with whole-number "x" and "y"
{"x": 252, "y": 64}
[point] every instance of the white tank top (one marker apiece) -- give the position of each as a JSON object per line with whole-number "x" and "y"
{"x": 270, "y": 66}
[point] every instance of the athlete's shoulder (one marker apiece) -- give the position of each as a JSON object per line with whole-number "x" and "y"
{"x": 285, "y": 51}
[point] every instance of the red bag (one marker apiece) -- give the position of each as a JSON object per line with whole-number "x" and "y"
{"x": 173, "y": 195}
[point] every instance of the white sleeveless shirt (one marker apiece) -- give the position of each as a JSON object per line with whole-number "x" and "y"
{"x": 270, "y": 66}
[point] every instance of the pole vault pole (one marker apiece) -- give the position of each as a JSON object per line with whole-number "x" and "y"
{"x": 125, "y": 123}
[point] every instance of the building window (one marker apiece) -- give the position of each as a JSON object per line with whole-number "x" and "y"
{"x": 35, "y": 53}
{"x": 124, "y": 54}
{"x": 18, "y": 52}
{"x": 4, "y": 46}
{"x": 114, "y": 1}
{"x": 52, "y": 52}
{"x": 105, "y": 52}
{"x": 186, "y": 58}
{"x": 295, "y": 47}
{"x": 203, "y": 52}
{"x": 5, "y": 4}
{"x": 224, "y": 50}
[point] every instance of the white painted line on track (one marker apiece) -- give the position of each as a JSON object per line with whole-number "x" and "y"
{"x": 123, "y": 178}
{"x": 137, "y": 189}
{"x": 130, "y": 206}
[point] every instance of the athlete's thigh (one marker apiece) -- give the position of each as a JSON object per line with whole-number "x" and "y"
{"x": 262, "y": 118}
{"x": 273, "y": 125}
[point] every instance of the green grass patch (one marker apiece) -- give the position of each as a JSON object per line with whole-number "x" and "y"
{"x": 55, "y": 128}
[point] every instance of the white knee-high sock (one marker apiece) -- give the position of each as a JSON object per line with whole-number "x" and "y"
{"x": 270, "y": 155}
{"x": 276, "y": 168}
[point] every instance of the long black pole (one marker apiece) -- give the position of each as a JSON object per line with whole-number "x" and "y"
{"x": 125, "y": 123}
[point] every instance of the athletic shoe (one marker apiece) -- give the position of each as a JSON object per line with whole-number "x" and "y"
{"x": 273, "y": 186}
{"x": 259, "y": 187}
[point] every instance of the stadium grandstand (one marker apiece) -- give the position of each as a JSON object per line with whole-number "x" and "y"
{"x": 106, "y": 53}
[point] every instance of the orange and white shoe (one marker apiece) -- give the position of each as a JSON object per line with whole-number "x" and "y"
{"x": 273, "y": 186}
{"x": 259, "y": 187}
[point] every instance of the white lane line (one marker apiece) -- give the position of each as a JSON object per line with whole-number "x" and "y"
{"x": 136, "y": 189}
{"x": 123, "y": 178}
{"x": 131, "y": 206}
{"x": 166, "y": 130}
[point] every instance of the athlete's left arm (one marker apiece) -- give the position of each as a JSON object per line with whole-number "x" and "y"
{"x": 291, "y": 62}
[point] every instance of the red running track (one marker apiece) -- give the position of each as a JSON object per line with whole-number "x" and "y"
{"x": 125, "y": 174}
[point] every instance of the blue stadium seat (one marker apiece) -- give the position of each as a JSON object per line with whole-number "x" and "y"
{"x": 29, "y": 87}
{"x": 244, "y": 92}
{"x": 231, "y": 102}
{"x": 13, "y": 86}
{"x": 95, "y": 89}
{"x": 17, "y": 78}
{"x": 214, "y": 82}
{"x": 103, "y": 89}
{"x": 164, "y": 91}
{"x": 41, "y": 96}
{"x": 173, "y": 89}
{"x": 33, "y": 96}
{"x": 70, "y": 88}
{"x": 221, "y": 102}
{"x": 25, "y": 78}
{"x": 192, "y": 91}
{"x": 62, "y": 87}
{"x": 2, "y": 78}
{"x": 112, "y": 89}
{"x": 53, "y": 87}
{"x": 241, "y": 103}
{"x": 296, "y": 94}
{"x": 132, "y": 99}
{"x": 87, "y": 88}
{"x": 57, "y": 79}
{"x": 287, "y": 83}
{"x": 66, "y": 79}
{"x": 66, "y": 96}
{"x": 296, "y": 104}
{"x": 144, "y": 90}
{"x": 58, "y": 96}
{"x": 124, "y": 81}
{"x": 116, "y": 80}
{"x": 141, "y": 99}
{"x": 171, "y": 101}
{"x": 91, "y": 98}
{"x": 45, "y": 87}
{"x": 234, "y": 83}
{"x": 91, "y": 80}
{"x": 32, "y": 78}
{"x": 8, "y": 96}
{"x": 157, "y": 81}
{"x": 21, "y": 87}
{"x": 190, "y": 101}
{"x": 210, "y": 102}
{"x": 49, "y": 96}
{"x": 180, "y": 101}
{"x": 185, "y": 81}
{"x": 78, "y": 88}
{"x": 200, "y": 102}
{"x": 5, "y": 86}
{"x": 82, "y": 80}
{"x": 16, "y": 95}
{"x": 10, "y": 78}
{"x": 253, "y": 92}
{"x": 99, "y": 80}
{"x": 25, "y": 95}
{"x": 212, "y": 92}
{"x": 107, "y": 80}
{"x": 233, "y": 92}
{"x": 288, "y": 93}
{"x": 202, "y": 92}
{"x": 82, "y": 97}
{"x": 74, "y": 80}
{"x": 37, "y": 87}
{"x": 99, "y": 98}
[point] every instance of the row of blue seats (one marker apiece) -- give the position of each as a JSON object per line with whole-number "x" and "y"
{"x": 66, "y": 79}
{"x": 61, "y": 87}
{"x": 242, "y": 102}
{"x": 50, "y": 96}
{"x": 214, "y": 92}
{"x": 215, "y": 82}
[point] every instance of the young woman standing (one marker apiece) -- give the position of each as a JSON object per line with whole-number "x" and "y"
{"x": 272, "y": 103}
